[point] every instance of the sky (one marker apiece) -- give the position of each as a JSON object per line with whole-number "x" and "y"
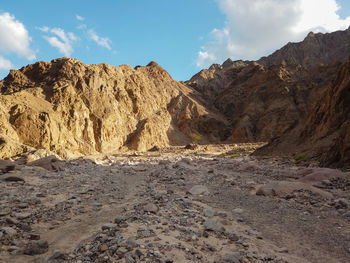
{"x": 183, "y": 36}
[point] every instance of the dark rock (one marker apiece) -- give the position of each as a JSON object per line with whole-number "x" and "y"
{"x": 36, "y": 247}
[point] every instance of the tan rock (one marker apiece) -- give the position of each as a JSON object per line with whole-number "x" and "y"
{"x": 71, "y": 109}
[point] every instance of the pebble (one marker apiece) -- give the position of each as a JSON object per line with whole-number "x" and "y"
{"x": 22, "y": 215}
{"x": 233, "y": 257}
{"x": 150, "y": 207}
{"x": 282, "y": 250}
{"x": 57, "y": 255}
{"x": 199, "y": 190}
{"x": 109, "y": 226}
{"x": 130, "y": 242}
{"x": 13, "y": 178}
{"x": 208, "y": 213}
{"x": 129, "y": 259}
{"x": 9, "y": 231}
{"x": 11, "y": 221}
{"x": 237, "y": 211}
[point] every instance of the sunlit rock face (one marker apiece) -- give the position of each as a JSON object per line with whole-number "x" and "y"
{"x": 69, "y": 108}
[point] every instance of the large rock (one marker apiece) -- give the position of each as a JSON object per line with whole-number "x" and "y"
{"x": 283, "y": 188}
{"x": 50, "y": 163}
{"x": 36, "y": 247}
{"x": 6, "y": 166}
{"x": 67, "y": 107}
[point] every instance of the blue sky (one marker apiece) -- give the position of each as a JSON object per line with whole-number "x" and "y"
{"x": 183, "y": 36}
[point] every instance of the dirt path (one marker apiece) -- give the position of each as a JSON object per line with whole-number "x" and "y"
{"x": 177, "y": 206}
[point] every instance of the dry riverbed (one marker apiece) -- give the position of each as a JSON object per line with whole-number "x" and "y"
{"x": 204, "y": 204}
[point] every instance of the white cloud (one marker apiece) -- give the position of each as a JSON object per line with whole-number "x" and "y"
{"x": 60, "y": 39}
{"x": 5, "y": 64}
{"x": 14, "y": 38}
{"x": 44, "y": 28}
{"x": 101, "y": 41}
{"x": 257, "y": 27}
{"x": 80, "y": 18}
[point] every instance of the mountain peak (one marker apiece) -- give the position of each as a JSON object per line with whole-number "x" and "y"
{"x": 310, "y": 53}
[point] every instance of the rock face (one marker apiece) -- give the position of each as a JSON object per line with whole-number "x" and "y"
{"x": 328, "y": 125}
{"x": 268, "y": 98}
{"x": 67, "y": 107}
{"x": 262, "y": 103}
{"x": 326, "y": 134}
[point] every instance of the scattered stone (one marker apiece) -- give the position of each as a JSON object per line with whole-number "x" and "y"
{"x": 12, "y": 178}
{"x": 120, "y": 219}
{"x": 282, "y": 250}
{"x": 199, "y": 190}
{"x": 6, "y": 166}
{"x": 130, "y": 242}
{"x": 57, "y": 255}
{"x": 269, "y": 257}
{"x": 154, "y": 149}
{"x": 150, "y": 207}
{"x": 208, "y": 213}
{"x": 22, "y": 215}
{"x": 342, "y": 203}
{"x": 109, "y": 226}
{"x": 11, "y": 221}
{"x": 34, "y": 236}
{"x": 95, "y": 204}
{"x": 103, "y": 248}
{"x": 233, "y": 257}
{"x": 191, "y": 146}
{"x": 213, "y": 225}
{"x": 9, "y": 231}
{"x": 13, "y": 248}
{"x": 129, "y": 259}
{"x": 237, "y": 211}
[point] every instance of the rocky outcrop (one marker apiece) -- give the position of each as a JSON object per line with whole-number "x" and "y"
{"x": 68, "y": 108}
{"x": 328, "y": 125}
{"x": 269, "y": 98}
{"x": 314, "y": 50}
{"x": 262, "y": 103}
{"x": 326, "y": 134}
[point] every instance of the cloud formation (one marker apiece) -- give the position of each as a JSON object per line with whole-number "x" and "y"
{"x": 5, "y": 64}
{"x": 14, "y": 38}
{"x": 257, "y": 27}
{"x": 60, "y": 39}
{"x": 101, "y": 41}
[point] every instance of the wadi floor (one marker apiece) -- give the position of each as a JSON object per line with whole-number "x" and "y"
{"x": 176, "y": 205}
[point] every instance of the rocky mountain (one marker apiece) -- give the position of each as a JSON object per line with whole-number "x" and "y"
{"x": 314, "y": 50}
{"x": 70, "y": 108}
{"x": 67, "y": 107}
{"x": 266, "y": 99}
{"x": 325, "y": 135}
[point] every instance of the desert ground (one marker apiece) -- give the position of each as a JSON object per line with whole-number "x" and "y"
{"x": 214, "y": 203}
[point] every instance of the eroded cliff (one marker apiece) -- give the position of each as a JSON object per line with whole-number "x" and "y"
{"x": 70, "y": 108}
